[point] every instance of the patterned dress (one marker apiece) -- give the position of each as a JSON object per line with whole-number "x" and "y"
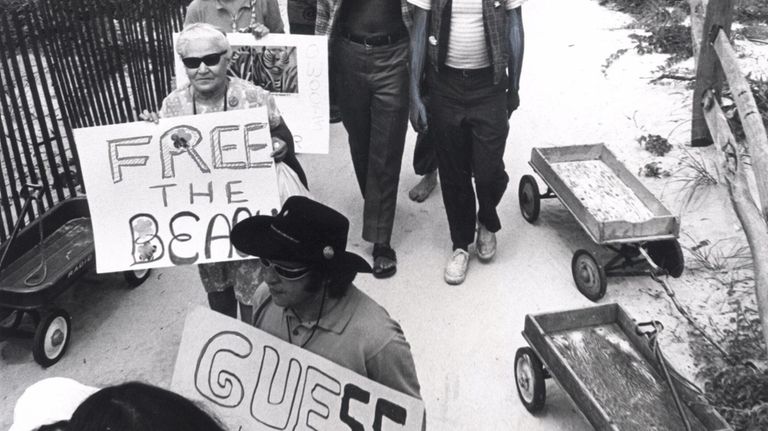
{"x": 244, "y": 275}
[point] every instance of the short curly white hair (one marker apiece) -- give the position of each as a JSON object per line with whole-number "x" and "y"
{"x": 201, "y": 30}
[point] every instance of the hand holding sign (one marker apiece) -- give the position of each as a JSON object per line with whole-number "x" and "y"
{"x": 182, "y": 183}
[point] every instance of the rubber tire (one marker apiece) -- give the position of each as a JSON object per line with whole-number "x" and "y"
{"x": 529, "y": 198}
{"x": 42, "y": 335}
{"x": 583, "y": 266}
{"x": 135, "y": 278}
{"x": 668, "y": 255}
{"x": 539, "y": 395}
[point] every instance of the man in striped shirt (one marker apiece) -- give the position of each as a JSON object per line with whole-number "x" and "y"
{"x": 472, "y": 52}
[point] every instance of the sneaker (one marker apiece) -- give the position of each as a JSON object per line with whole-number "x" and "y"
{"x": 485, "y": 244}
{"x": 456, "y": 268}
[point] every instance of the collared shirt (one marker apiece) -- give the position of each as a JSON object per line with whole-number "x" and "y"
{"x": 213, "y": 12}
{"x": 355, "y": 332}
{"x": 328, "y": 11}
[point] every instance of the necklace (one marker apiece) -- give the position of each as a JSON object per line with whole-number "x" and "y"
{"x": 314, "y": 326}
{"x": 194, "y": 100}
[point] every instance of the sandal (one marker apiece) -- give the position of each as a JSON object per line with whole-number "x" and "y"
{"x": 384, "y": 261}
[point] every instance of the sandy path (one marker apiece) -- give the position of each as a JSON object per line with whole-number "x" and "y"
{"x": 463, "y": 338}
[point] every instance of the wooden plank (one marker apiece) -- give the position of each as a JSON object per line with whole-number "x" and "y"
{"x": 572, "y": 319}
{"x": 623, "y": 382}
{"x": 571, "y": 202}
{"x": 751, "y": 119}
{"x": 708, "y": 71}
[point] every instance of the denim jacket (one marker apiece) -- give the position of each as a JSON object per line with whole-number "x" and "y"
{"x": 496, "y": 34}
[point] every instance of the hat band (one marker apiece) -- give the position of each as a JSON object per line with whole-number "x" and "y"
{"x": 284, "y": 235}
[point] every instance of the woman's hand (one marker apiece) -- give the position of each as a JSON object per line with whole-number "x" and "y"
{"x": 279, "y": 149}
{"x": 258, "y": 30}
{"x": 152, "y": 117}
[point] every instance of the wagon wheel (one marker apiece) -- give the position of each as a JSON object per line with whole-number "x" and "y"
{"x": 136, "y": 276}
{"x": 668, "y": 255}
{"x": 52, "y": 337}
{"x": 529, "y": 379}
{"x": 529, "y": 197}
{"x": 589, "y": 275}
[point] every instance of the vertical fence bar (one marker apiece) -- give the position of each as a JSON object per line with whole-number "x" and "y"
{"x": 29, "y": 72}
{"x": 123, "y": 61}
{"x": 68, "y": 67}
{"x": 92, "y": 62}
{"x": 14, "y": 110}
{"x": 44, "y": 64}
{"x": 113, "y": 67}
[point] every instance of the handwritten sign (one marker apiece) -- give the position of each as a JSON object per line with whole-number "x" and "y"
{"x": 295, "y": 69}
{"x": 253, "y": 381}
{"x": 168, "y": 194}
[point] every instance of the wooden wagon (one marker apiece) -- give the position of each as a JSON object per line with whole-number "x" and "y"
{"x": 612, "y": 206}
{"x": 612, "y": 369}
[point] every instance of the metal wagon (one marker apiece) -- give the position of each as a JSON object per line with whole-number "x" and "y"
{"x": 613, "y": 370}
{"x": 37, "y": 264}
{"x": 612, "y": 206}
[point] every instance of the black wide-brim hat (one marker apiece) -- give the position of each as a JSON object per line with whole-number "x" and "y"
{"x": 304, "y": 231}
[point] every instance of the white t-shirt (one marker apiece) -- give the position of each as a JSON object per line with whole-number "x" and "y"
{"x": 466, "y": 40}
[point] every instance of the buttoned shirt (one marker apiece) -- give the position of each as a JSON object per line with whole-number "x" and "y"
{"x": 328, "y": 11}
{"x": 355, "y": 332}
{"x": 249, "y": 12}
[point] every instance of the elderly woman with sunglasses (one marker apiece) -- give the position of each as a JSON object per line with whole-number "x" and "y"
{"x": 205, "y": 52}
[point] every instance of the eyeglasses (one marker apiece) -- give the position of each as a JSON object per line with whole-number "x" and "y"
{"x": 209, "y": 60}
{"x": 284, "y": 272}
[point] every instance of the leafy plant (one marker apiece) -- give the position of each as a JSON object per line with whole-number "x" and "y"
{"x": 655, "y": 144}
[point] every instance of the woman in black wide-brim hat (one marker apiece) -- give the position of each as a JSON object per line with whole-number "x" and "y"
{"x": 309, "y": 299}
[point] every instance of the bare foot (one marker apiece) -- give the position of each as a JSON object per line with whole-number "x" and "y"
{"x": 421, "y": 191}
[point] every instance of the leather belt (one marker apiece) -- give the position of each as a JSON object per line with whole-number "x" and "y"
{"x": 380, "y": 40}
{"x": 468, "y": 73}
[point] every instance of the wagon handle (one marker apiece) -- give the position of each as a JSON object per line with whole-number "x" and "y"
{"x": 649, "y": 328}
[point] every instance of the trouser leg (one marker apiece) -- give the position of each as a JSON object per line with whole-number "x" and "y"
{"x": 354, "y": 102}
{"x": 454, "y": 155}
{"x": 389, "y": 123}
{"x": 489, "y": 136}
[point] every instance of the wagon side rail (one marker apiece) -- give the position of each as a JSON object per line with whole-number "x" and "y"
{"x": 559, "y": 369}
{"x": 663, "y": 225}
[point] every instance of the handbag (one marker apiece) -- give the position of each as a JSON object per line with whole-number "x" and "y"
{"x": 288, "y": 183}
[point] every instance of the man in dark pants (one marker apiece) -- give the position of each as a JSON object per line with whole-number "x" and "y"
{"x": 468, "y": 49}
{"x": 369, "y": 50}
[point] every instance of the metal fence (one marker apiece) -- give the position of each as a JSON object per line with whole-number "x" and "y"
{"x": 66, "y": 64}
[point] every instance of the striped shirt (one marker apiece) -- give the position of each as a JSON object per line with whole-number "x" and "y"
{"x": 466, "y": 42}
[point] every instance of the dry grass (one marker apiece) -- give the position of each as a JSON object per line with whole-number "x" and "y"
{"x": 696, "y": 175}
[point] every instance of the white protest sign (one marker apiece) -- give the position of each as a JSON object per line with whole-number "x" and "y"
{"x": 253, "y": 381}
{"x": 294, "y": 68}
{"x": 168, "y": 194}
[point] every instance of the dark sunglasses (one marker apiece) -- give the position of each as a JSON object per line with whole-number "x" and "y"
{"x": 209, "y": 60}
{"x": 284, "y": 272}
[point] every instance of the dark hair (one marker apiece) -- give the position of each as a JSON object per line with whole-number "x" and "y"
{"x": 137, "y": 406}
{"x": 336, "y": 282}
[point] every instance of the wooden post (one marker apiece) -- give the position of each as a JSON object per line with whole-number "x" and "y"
{"x": 698, "y": 7}
{"x": 708, "y": 72}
